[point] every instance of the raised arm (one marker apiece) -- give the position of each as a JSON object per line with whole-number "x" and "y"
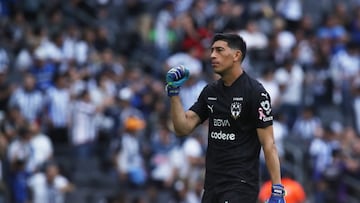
{"x": 184, "y": 122}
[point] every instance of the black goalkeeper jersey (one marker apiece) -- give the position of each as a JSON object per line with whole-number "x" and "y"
{"x": 234, "y": 113}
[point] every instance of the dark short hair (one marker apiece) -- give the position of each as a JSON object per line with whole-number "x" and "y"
{"x": 234, "y": 41}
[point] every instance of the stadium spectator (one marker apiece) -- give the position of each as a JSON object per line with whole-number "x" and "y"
{"x": 324, "y": 152}
{"x": 18, "y": 156}
{"x": 163, "y": 170}
{"x": 307, "y": 126}
{"x": 332, "y": 32}
{"x": 12, "y": 122}
{"x": 7, "y": 88}
{"x": 290, "y": 77}
{"x": 28, "y": 99}
{"x": 355, "y": 25}
{"x": 57, "y": 99}
{"x": 318, "y": 82}
{"x": 43, "y": 68}
{"x": 254, "y": 37}
{"x": 283, "y": 41}
{"x": 291, "y": 11}
{"x": 49, "y": 185}
{"x": 164, "y": 30}
{"x": 193, "y": 149}
{"x": 41, "y": 146}
{"x": 129, "y": 160}
{"x": 103, "y": 90}
{"x": 345, "y": 67}
{"x": 83, "y": 129}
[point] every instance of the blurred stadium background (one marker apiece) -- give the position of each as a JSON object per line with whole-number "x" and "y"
{"x": 84, "y": 117}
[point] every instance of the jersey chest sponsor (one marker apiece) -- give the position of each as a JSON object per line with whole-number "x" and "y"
{"x": 221, "y": 122}
{"x": 220, "y": 135}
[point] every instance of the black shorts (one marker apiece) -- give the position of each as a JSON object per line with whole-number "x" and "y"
{"x": 232, "y": 196}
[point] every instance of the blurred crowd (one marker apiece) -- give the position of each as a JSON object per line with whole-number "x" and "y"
{"x": 84, "y": 116}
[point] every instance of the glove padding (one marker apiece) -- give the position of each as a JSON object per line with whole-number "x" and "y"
{"x": 277, "y": 194}
{"x": 175, "y": 78}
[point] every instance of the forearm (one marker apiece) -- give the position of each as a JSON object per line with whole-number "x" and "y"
{"x": 184, "y": 122}
{"x": 178, "y": 117}
{"x": 272, "y": 163}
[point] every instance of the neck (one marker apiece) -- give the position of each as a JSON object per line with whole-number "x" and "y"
{"x": 230, "y": 77}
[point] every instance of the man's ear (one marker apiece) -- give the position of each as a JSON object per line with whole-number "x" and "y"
{"x": 238, "y": 55}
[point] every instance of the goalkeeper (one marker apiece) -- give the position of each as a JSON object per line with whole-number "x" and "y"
{"x": 238, "y": 111}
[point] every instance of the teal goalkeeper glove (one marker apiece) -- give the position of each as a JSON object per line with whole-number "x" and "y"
{"x": 175, "y": 78}
{"x": 277, "y": 194}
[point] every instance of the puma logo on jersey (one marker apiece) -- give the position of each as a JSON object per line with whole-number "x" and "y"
{"x": 211, "y": 108}
{"x": 264, "y": 95}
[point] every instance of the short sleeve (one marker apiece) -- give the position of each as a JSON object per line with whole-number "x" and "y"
{"x": 199, "y": 107}
{"x": 261, "y": 108}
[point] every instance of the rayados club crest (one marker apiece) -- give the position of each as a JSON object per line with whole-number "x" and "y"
{"x": 235, "y": 110}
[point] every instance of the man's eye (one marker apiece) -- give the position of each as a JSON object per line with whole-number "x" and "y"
{"x": 217, "y": 50}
